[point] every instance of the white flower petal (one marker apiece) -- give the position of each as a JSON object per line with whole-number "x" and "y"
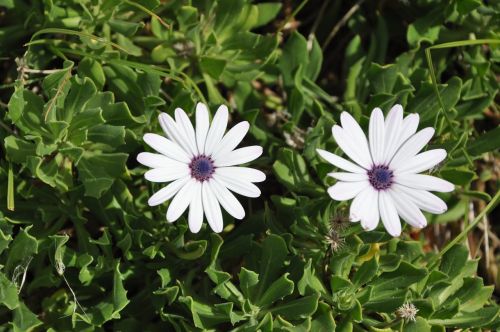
{"x": 248, "y": 174}
{"x": 227, "y": 199}
{"x": 185, "y": 126}
{"x": 239, "y": 156}
{"x": 357, "y": 208}
{"x": 154, "y": 160}
{"x": 340, "y": 162}
{"x": 410, "y": 125}
{"x": 352, "y": 130}
{"x": 424, "y": 182}
{"x": 212, "y": 208}
{"x": 195, "y": 217}
{"x": 175, "y": 133}
{"x": 343, "y": 191}
{"x": 166, "y": 147}
{"x": 351, "y": 147}
{"x": 217, "y": 129}
{"x": 422, "y": 162}
{"x": 389, "y": 214}
{"x": 376, "y": 135}
{"x": 408, "y": 210}
{"x": 423, "y": 199}
{"x": 349, "y": 177}
{"x": 239, "y": 186}
{"x": 232, "y": 138}
{"x": 411, "y": 147}
{"x": 369, "y": 213}
{"x": 202, "y": 125}
{"x": 167, "y": 192}
{"x": 181, "y": 201}
{"x": 393, "y": 131}
{"x": 167, "y": 174}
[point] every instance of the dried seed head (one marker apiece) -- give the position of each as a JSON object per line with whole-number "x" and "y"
{"x": 407, "y": 311}
{"x": 339, "y": 222}
{"x": 335, "y": 242}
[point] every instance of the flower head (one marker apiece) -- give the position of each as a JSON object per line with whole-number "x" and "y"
{"x": 408, "y": 312}
{"x": 384, "y": 179}
{"x": 200, "y": 164}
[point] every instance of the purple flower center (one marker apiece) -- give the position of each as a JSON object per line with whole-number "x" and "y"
{"x": 202, "y": 168}
{"x": 380, "y": 177}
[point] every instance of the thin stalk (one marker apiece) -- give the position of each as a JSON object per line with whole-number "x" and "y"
{"x": 491, "y": 205}
{"x": 294, "y": 13}
{"x": 433, "y": 75}
{"x": 10, "y": 189}
{"x": 341, "y": 23}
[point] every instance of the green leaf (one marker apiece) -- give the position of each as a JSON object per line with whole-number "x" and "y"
{"x": 274, "y": 253}
{"x": 291, "y": 170}
{"x": 419, "y": 325}
{"x": 98, "y": 171}
{"x": 473, "y": 295}
{"x": 24, "y": 246}
{"x": 300, "y": 308}
{"x": 426, "y": 103}
{"x": 477, "y": 318}
{"x": 453, "y": 261}
{"x": 309, "y": 282}
{"x": 212, "y": 66}
{"x": 490, "y": 141}
{"x": 277, "y": 290}
{"x": 294, "y": 54}
{"x": 120, "y": 300}
{"x": 24, "y": 319}
{"x": 248, "y": 279}
{"x": 382, "y": 78}
{"x": 82, "y": 90}
{"x": 425, "y": 28}
{"x": 17, "y": 149}
{"x": 464, "y": 7}
{"x": 267, "y": 12}
{"x": 405, "y": 275}
{"x": 365, "y": 273}
{"x": 8, "y": 293}
{"x": 92, "y": 69}
{"x": 124, "y": 27}
{"x": 458, "y": 176}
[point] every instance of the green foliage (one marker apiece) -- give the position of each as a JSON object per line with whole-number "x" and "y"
{"x": 80, "y": 249}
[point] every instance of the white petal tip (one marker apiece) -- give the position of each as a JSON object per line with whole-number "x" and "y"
{"x": 223, "y": 108}
{"x": 333, "y": 193}
{"x": 141, "y": 158}
{"x": 354, "y": 218}
{"x": 217, "y": 229}
{"x": 179, "y": 111}
{"x": 448, "y": 187}
{"x": 153, "y": 202}
{"x": 397, "y": 108}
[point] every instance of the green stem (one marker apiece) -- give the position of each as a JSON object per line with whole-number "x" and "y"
{"x": 10, "y": 189}
{"x": 295, "y": 12}
{"x": 433, "y": 75}
{"x": 491, "y": 205}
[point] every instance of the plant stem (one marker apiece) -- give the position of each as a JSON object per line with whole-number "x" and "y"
{"x": 491, "y": 205}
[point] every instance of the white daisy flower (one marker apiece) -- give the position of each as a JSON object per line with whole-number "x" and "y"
{"x": 384, "y": 181}
{"x": 201, "y": 165}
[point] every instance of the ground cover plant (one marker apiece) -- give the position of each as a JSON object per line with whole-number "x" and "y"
{"x": 82, "y": 82}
